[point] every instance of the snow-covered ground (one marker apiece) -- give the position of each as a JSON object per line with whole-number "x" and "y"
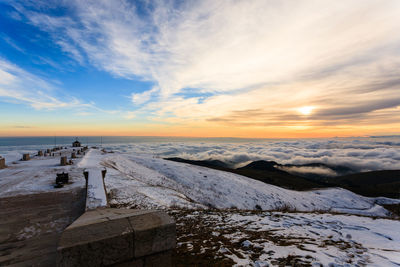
{"x": 38, "y": 174}
{"x": 146, "y": 181}
{"x": 287, "y": 239}
{"x": 246, "y": 237}
{"x": 257, "y": 238}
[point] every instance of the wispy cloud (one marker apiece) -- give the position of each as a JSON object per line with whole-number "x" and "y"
{"x": 323, "y": 171}
{"x": 266, "y": 56}
{"x": 146, "y": 96}
{"x": 12, "y": 43}
{"x": 18, "y": 85}
{"x": 129, "y": 115}
{"x": 23, "y": 127}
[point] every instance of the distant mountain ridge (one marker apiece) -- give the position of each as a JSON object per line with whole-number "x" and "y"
{"x": 385, "y": 183}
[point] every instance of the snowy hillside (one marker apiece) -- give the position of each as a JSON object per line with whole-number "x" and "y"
{"x": 146, "y": 181}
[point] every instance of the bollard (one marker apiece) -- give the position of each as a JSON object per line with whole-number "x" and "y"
{"x": 26, "y": 157}
{"x": 2, "y": 163}
{"x": 86, "y": 174}
{"x": 62, "y": 178}
{"x": 63, "y": 161}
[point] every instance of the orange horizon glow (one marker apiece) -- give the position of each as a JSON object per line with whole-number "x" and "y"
{"x": 199, "y": 132}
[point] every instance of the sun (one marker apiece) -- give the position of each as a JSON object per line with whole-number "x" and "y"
{"x": 306, "y": 110}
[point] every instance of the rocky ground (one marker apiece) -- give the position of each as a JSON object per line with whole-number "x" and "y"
{"x": 257, "y": 238}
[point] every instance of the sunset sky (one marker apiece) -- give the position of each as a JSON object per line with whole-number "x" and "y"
{"x": 251, "y": 68}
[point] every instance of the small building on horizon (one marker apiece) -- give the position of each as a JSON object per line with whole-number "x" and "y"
{"x": 76, "y": 143}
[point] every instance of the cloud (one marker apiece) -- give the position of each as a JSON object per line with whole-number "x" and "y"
{"x": 12, "y": 43}
{"x": 141, "y": 98}
{"x": 20, "y": 86}
{"x": 84, "y": 113}
{"x": 130, "y": 115}
{"x": 269, "y": 56}
{"x": 363, "y": 154}
{"x": 23, "y": 127}
{"x": 309, "y": 170}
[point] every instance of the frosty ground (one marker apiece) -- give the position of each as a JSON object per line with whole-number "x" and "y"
{"x": 225, "y": 219}
{"x": 259, "y": 238}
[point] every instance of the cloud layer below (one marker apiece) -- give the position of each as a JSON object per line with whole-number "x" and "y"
{"x": 363, "y": 154}
{"x": 359, "y": 154}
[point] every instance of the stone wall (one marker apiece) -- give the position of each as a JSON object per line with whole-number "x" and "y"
{"x": 118, "y": 237}
{"x": 105, "y": 236}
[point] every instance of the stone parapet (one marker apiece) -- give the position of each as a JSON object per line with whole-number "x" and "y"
{"x": 119, "y": 237}
{"x": 96, "y": 196}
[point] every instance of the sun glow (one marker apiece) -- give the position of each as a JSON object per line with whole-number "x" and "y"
{"x": 306, "y": 110}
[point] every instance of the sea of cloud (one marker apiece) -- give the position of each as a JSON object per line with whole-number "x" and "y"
{"x": 361, "y": 154}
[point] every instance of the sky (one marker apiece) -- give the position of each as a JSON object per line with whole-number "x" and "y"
{"x": 257, "y": 68}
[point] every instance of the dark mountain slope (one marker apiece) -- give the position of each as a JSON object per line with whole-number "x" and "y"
{"x": 263, "y": 171}
{"x": 373, "y": 184}
{"x": 216, "y": 164}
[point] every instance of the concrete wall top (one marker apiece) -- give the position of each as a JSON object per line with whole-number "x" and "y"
{"x": 109, "y": 236}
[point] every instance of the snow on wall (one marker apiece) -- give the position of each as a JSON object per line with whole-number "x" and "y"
{"x": 96, "y": 195}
